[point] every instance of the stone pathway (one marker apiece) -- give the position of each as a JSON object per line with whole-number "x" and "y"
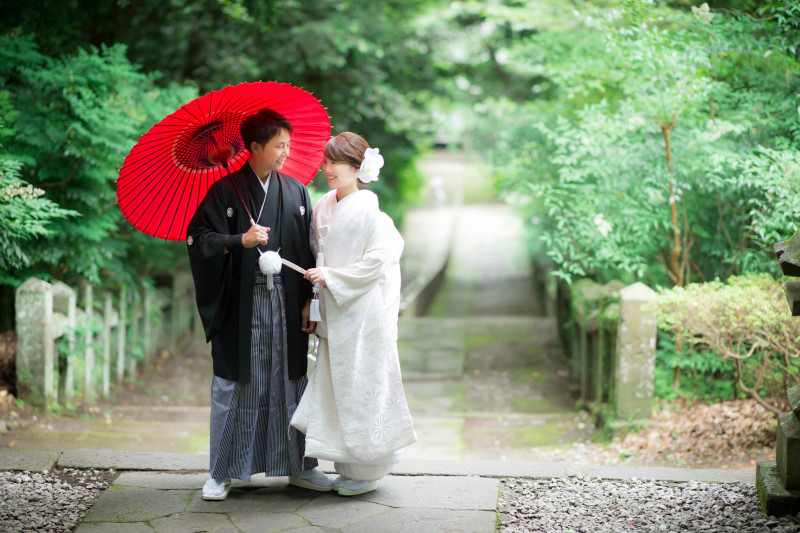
{"x": 172, "y": 502}
{"x": 482, "y": 370}
{"x": 158, "y": 492}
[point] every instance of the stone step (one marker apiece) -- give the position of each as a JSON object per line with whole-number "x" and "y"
{"x": 452, "y": 331}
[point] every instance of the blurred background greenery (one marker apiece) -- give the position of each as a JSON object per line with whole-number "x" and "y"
{"x": 638, "y": 140}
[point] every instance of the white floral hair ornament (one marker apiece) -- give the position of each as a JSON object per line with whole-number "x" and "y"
{"x": 370, "y": 166}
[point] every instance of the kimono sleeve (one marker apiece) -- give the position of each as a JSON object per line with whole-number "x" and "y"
{"x": 207, "y": 238}
{"x": 383, "y": 247}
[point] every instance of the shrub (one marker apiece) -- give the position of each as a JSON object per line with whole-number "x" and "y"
{"x": 744, "y": 320}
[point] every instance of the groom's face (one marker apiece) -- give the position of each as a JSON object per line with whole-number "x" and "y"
{"x": 273, "y": 153}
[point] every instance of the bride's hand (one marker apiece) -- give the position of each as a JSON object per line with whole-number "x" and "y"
{"x": 314, "y": 275}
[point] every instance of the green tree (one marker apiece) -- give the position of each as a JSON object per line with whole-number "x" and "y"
{"x": 70, "y": 121}
{"x": 366, "y": 61}
{"x": 664, "y": 147}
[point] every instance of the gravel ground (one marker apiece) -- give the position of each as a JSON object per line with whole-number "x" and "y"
{"x": 56, "y": 501}
{"x": 51, "y": 501}
{"x": 581, "y": 504}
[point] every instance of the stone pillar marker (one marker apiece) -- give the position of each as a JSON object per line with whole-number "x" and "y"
{"x": 121, "y": 333}
{"x": 35, "y": 343}
{"x": 107, "y": 322}
{"x": 636, "y": 349}
{"x": 65, "y": 307}
{"x": 88, "y": 376}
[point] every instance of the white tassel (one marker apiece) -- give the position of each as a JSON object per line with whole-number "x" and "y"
{"x": 315, "y": 316}
{"x": 270, "y": 263}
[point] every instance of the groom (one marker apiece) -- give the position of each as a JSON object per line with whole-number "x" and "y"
{"x": 258, "y": 334}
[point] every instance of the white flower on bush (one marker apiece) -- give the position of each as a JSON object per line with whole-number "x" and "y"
{"x": 703, "y": 13}
{"x": 371, "y": 166}
{"x": 603, "y": 225}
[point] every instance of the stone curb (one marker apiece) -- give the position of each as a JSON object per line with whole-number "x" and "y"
{"x": 526, "y": 469}
{"x": 165, "y": 462}
{"x": 30, "y": 461}
{"x": 121, "y": 460}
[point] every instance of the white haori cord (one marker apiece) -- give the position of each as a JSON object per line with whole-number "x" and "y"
{"x": 270, "y": 264}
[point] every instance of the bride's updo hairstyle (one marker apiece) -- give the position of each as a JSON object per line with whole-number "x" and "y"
{"x": 347, "y": 148}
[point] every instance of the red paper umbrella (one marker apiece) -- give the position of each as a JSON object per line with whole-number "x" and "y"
{"x": 169, "y": 171}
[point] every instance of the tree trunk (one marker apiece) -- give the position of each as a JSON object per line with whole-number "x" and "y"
{"x": 675, "y": 254}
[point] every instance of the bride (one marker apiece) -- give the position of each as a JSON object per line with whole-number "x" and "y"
{"x": 354, "y": 410}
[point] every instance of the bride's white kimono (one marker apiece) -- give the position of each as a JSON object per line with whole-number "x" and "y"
{"x": 354, "y": 408}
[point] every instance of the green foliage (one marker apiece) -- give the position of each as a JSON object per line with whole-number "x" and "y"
{"x": 655, "y": 144}
{"x": 70, "y": 121}
{"x": 711, "y": 378}
{"x": 24, "y": 216}
{"x": 744, "y": 322}
{"x": 366, "y": 61}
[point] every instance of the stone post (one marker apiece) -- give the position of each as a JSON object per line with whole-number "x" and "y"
{"x": 65, "y": 306}
{"x": 149, "y": 344}
{"x": 636, "y": 352}
{"x": 107, "y": 322}
{"x": 136, "y": 316}
{"x": 88, "y": 370}
{"x": 121, "y": 332}
{"x": 35, "y": 346}
{"x": 585, "y": 298}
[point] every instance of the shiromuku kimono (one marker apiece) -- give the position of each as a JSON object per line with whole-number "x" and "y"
{"x": 354, "y": 410}
{"x": 257, "y": 344}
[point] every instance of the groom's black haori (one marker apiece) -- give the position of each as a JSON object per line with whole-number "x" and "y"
{"x": 224, "y": 282}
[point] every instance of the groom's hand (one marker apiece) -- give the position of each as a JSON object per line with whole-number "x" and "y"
{"x": 255, "y": 235}
{"x": 306, "y": 325}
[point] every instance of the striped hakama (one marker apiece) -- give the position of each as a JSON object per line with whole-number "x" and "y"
{"x": 250, "y": 421}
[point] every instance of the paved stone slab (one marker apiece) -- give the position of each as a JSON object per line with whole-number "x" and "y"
{"x": 115, "y": 527}
{"x": 125, "y": 460}
{"x": 266, "y": 522}
{"x": 495, "y": 469}
{"x": 427, "y": 520}
{"x": 710, "y": 475}
{"x": 161, "y": 480}
{"x": 132, "y": 504}
{"x": 195, "y": 481}
{"x": 340, "y": 511}
{"x": 284, "y": 498}
{"x": 194, "y": 523}
{"x": 531, "y": 469}
{"x": 315, "y": 529}
{"x": 30, "y": 461}
{"x": 435, "y": 492}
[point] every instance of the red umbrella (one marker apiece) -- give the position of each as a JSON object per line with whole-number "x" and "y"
{"x": 169, "y": 171}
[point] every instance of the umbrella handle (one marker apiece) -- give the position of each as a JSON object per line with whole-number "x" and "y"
{"x": 250, "y": 216}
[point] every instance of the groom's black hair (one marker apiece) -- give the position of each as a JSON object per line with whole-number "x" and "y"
{"x": 263, "y": 126}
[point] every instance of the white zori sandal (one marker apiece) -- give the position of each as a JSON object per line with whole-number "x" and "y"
{"x": 216, "y": 491}
{"x": 312, "y": 479}
{"x": 351, "y": 487}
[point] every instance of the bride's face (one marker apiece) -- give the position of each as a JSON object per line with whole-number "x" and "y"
{"x": 340, "y": 175}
